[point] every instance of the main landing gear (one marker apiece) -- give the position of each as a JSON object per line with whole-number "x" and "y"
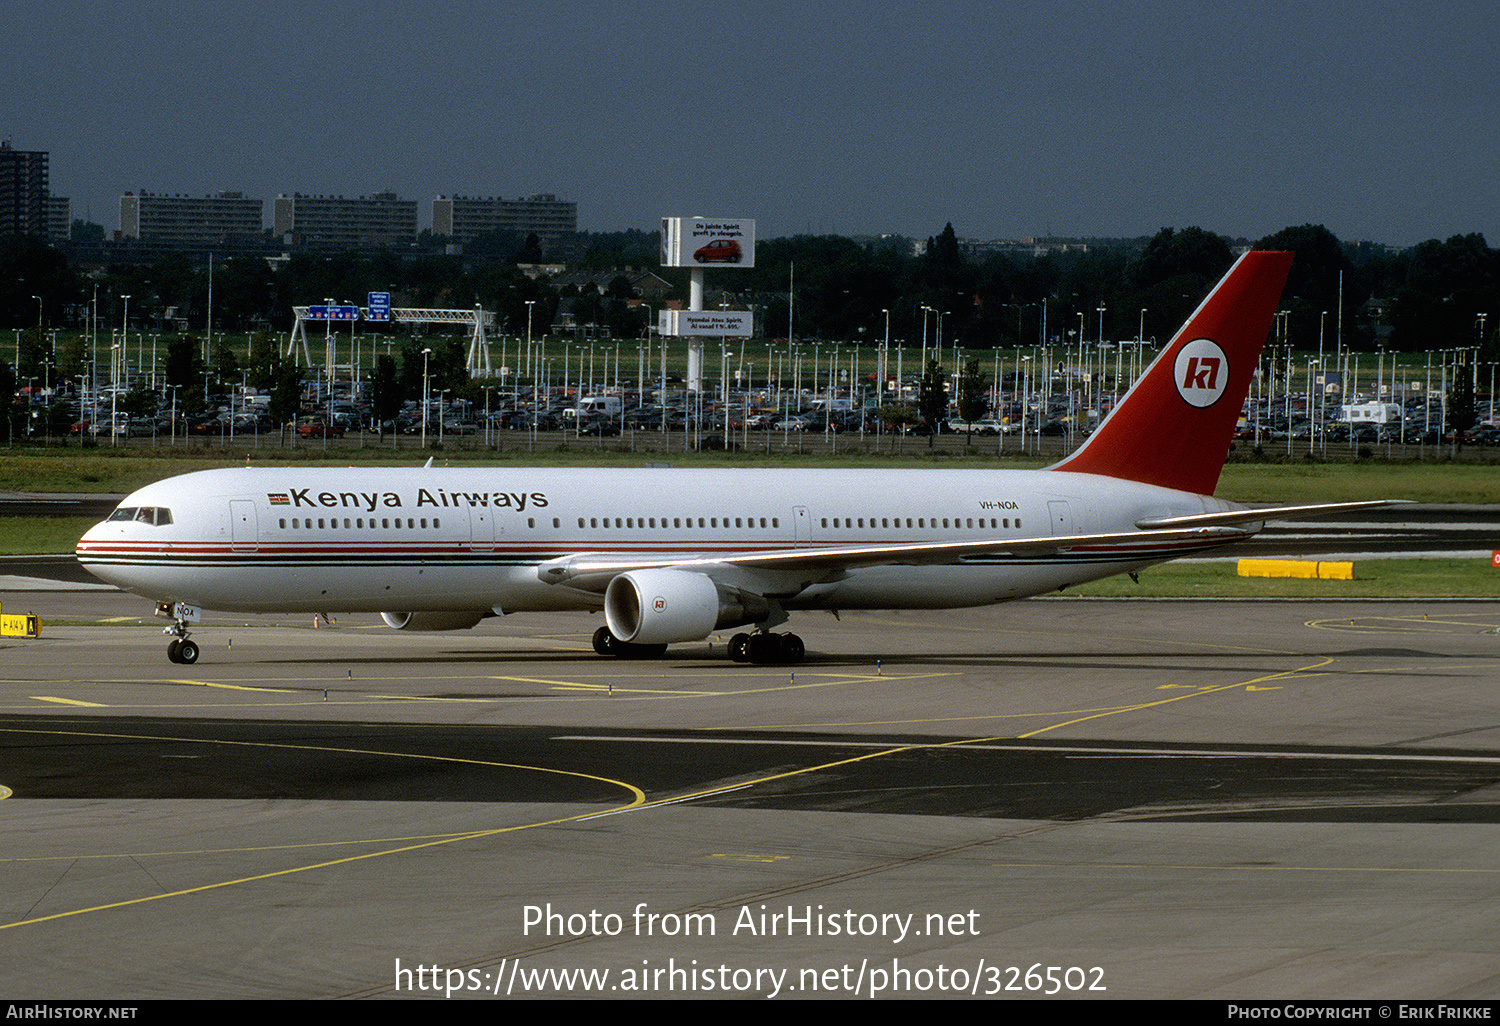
{"x": 765, "y": 648}
{"x": 606, "y": 644}
{"x": 762, "y": 648}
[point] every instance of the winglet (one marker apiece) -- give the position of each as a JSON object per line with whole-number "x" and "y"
{"x": 1174, "y": 426}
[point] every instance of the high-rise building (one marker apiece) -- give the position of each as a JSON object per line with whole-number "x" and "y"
{"x": 59, "y": 218}
{"x": 463, "y": 217}
{"x": 186, "y": 222}
{"x": 333, "y": 223}
{"x": 23, "y": 191}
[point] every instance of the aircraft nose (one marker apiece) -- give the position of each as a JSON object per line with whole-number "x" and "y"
{"x": 88, "y": 543}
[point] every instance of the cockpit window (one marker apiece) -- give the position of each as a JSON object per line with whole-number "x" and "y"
{"x": 157, "y": 515}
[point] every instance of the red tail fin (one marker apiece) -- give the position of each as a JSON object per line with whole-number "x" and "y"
{"x": 1174, "y": 426}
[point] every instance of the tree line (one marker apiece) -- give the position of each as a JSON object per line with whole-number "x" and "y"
{"x": 1435, "y": 295}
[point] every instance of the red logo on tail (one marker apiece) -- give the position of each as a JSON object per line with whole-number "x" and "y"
{"x": 1202, "y": 373}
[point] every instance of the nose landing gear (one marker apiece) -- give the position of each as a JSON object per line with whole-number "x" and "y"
{"x": 181, "y": 650}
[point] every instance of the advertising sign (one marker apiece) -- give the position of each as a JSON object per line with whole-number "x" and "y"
{"x": 707, "y": 242}
{"x": 719, "y": 323}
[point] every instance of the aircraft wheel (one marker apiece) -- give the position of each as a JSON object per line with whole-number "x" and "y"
{"x": 604, "y": 642}
{"x": 792, "y": 649}
{"x": 187, "y": 652}
{"x": 174, "y": 650}
{"x": 778, "y": 649}
{"x": 737, "y": 648}
{"x": 764, "y": 649}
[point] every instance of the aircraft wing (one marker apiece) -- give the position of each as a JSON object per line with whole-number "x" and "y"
{"x": 593, "y": 571}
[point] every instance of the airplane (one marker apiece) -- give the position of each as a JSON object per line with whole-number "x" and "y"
{"x": 673, "y": 555}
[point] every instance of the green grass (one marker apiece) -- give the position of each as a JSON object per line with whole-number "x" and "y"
{"x": 120, "y": 470}
{"x": 1373, "y": 578}
{"x": 1435, "y": 482}
{"x": 41, "y": 536}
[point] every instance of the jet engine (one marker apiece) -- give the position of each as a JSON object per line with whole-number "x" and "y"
{"x": 657, "y": 607}
{"x": 436, "y": 620}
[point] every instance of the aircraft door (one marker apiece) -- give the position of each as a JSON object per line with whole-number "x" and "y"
{"x": 481, "y": 529}
{"x": 244, "y": 530}
{"x": 801, "y": 525}
{"x": 1061, "y": 516}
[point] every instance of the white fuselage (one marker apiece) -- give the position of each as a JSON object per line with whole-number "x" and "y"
{"x": 326, "y": 539}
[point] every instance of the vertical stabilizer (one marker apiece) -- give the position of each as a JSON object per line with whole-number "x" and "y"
{"x": 1173, "y": 428}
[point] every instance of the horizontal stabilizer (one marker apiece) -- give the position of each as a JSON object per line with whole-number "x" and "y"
{"x": 1256, "y": 516}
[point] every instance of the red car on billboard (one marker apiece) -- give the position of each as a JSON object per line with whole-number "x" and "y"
{"x": 719, "y": 251}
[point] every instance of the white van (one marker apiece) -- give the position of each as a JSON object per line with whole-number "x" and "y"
{"x": 599, "y": 406}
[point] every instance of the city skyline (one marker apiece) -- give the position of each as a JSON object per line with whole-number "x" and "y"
{"x": 1375, "y": 120}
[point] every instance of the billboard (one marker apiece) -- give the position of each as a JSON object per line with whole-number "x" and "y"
{"x": 707, "y": 242}
{"x": 718, "y": 323}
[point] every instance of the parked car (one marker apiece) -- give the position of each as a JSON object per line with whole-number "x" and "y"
{"x": 314, "y": 428}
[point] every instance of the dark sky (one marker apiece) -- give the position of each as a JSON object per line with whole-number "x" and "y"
{"x": 1008, "y": 118}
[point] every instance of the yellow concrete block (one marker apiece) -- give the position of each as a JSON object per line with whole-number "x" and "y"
{"x": 1329, "y": 570}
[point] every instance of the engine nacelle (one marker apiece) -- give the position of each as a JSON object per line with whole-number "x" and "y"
{"x": 660, "y": 607}
{"x": 434, "y": 620}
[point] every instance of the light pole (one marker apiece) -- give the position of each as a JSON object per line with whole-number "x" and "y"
{"x": 529, "y": 304}
{"x": 425, "y": 354}
{"x": 125, "y": 338}
{"x": 114, "y": 391}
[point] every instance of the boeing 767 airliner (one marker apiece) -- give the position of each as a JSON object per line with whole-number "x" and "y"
{"x": 673, "y": 555}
